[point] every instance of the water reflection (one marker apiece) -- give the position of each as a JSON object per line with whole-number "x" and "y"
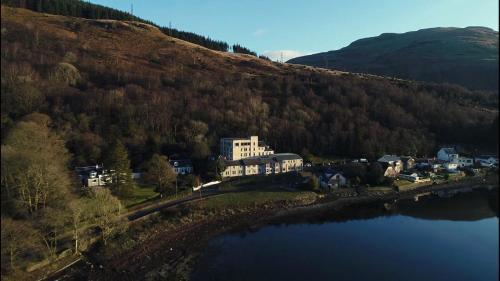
{"x": 434, "y": 239}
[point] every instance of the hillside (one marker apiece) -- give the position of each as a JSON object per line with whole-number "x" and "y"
{"x": 105, "y": 80}
{"x": 464, "y": 56}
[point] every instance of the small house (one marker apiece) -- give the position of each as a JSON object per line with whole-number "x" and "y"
{"x": 332, "y": 179}
{"x": 465, "y": 161}
{"x": 391, "y": 164}
{"x": 91, "y": 176}
{"x": 182, "y": 166}
{"x": 447, "y": 154}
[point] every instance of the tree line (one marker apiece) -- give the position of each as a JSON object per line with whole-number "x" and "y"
{"x": 242, "y": 50}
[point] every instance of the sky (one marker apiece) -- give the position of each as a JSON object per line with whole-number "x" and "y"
{"x": 298, "y": 27}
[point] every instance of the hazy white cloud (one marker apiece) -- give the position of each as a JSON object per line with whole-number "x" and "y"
{"x": 259, "y": 32}
{"x": 287, "y": 54}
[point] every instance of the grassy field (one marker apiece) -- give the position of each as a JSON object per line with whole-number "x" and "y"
{"x": 260, "y": 181}
{"x": 253, "y": 198}
{"x": 142, "y": 193}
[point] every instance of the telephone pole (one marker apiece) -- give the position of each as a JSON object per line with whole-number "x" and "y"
{"x": 175, "y": 186}
{"x": 131, "y": 8}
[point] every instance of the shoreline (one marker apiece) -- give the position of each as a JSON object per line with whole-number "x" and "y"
{"x": 171, "y": 254}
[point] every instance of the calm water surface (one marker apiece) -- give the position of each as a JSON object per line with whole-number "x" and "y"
{"x": 438, "y": 239}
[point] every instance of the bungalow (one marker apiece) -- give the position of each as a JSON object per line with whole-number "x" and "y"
{"x": 465, "y": 161}
{"x": 447, "y": 154}
{"x": 391, "y": 164}
{"x": 182, "y": 166}
{"x": 332, "y": 179}
{"x": 91, "y": 176}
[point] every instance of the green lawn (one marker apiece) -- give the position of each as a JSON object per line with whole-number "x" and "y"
{"x": 253, "y": 198}
{"x": 141, "y": 194}
{"x": 259, "y": 181}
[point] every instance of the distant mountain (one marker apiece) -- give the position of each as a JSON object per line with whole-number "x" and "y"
{"x": 465, "y": 56}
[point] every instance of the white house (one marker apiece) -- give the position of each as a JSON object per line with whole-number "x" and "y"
{"x": 332, "y": 179}
{"x": 391, "y": 164}
{"x": 182, "y": 166}
{"x": 91, "y": 176}
{"x": 465, "y": 162}
{"x": 447, "y": 154}
{"x": 240, "y": 148}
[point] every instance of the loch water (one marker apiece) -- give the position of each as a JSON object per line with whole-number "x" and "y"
{"x": 433, "y": 239}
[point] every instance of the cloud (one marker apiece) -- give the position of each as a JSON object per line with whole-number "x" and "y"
{"x": 287, "y": 54}
{"x": 259, "y": 32}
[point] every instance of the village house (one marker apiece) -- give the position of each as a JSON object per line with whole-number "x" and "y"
{"x": 91, "y": 176}
{"x": 331, "y": 179}
{"x": 263, "y": 165}
{"x": 240, "y": 148}
{"x": 391, "y": 164}
{"x": 465, "y": 161}
{"x": 182, "y": 166}
{"x": 447, "y": 154}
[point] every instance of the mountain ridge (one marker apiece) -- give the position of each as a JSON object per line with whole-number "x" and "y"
{"x": 464, "y": 56}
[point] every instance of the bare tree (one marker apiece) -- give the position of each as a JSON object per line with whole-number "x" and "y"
{"x": 106, "y": 210}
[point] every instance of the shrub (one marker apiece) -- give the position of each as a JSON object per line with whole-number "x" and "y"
{"x": 66, "y": 73}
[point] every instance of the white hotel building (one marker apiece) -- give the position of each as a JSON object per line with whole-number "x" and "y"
{"x": 239, "y": 148}
{"x": 248, "y": 156}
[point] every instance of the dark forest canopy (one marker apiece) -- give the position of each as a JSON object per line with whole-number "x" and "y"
{"x": 242, "y": 50}
{"x": 160, "y": 96}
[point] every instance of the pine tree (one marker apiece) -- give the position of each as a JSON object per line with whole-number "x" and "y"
{"x": 122, "y": 184}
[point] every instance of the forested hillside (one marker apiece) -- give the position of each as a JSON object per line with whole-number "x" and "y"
{"x": 102, "y": 81}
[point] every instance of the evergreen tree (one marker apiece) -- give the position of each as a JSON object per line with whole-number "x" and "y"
{"x": 122, "y": 184}
{"x": 375, "y": 174}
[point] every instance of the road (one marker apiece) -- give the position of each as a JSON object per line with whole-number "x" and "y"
{"x": 195, "y": 196}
